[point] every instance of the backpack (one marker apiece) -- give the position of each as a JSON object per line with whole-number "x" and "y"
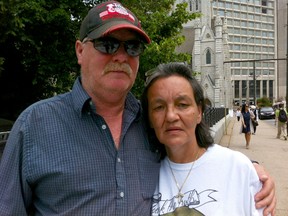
{"x": 282, "y": 116}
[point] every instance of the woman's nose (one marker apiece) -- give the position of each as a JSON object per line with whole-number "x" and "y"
{"x": 171, "y": 114}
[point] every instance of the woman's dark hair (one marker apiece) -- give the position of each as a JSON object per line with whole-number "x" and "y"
{"x": 202, "y": 132}
{"x": 243, "y": 107}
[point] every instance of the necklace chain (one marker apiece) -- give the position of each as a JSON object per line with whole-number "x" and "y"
{"x": 181, "y": 195}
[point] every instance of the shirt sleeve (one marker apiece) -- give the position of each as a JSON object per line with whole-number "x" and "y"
{"x": 15, "y": 193}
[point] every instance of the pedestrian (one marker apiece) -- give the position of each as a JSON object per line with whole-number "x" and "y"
{"x": 86, "y": 152}
{"x": 238, "y": 114}
{"x": 247, "y": 127}
{"x": 281, "y": 122}
{"x": 174, "y": 103}
{"x": 255, "y": 120}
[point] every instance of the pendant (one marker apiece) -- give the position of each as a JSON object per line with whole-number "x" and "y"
{"x": 180, "y": 197}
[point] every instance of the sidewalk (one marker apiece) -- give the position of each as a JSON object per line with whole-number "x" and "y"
{"x": 270, "y": 152}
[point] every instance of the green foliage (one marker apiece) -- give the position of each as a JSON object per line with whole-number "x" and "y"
{"x": 164, "y": 26}
{"x": 264, "y": 102}
{"x": 37, "y": 54}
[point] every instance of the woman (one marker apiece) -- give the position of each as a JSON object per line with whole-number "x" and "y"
{"x": 197, "y": 177}
{"x": 246, "y": 119}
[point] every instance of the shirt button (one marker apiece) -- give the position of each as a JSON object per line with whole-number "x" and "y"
{"x": 104, "y": 127}
{"x": 122, "y": 194}
{"x": 118, "y": 160}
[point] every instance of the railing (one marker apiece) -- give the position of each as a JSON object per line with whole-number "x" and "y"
{"x": 3, "y": 139}
{"x": 212, "y": 115}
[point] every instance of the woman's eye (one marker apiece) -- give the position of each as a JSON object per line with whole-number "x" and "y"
{"x": 183, "y": 105}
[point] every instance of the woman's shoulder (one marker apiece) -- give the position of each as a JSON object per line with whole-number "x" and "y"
{"x": 227, "y": 154}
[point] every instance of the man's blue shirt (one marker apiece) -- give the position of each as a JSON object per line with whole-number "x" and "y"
{"x": 60, "y": 159}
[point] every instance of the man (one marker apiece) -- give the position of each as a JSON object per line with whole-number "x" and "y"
{"x": 281, "y": 119}
{"x": 86, "y": 152}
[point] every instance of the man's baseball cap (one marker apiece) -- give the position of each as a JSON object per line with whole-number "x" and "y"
{"x": 107, "y": 17}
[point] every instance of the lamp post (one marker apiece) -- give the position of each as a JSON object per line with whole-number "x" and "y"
{"x": 254, "y": 82}
{"x": 287, "y": 57}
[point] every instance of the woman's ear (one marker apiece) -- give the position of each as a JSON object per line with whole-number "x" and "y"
{"x": 200, "y": 114}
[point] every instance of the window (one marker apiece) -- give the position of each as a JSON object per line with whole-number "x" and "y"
{"x": 257, "y": 2}
{"x": 250, "y": 16}
{"x": 264, "y": 89}
{"x": 257, "y": 88}
{"x": 236, "y": 72}
{"x": 236, "y": 55}
{"x": 257, "y": 10}
{"x": 208, "y": 57}
{"x": 251, "y": 88}
{"x": 236, "y": 88}
{"x": 244, "y": 47}
{"x": 257, "y": 25}
{"x": 236, "y": 47}
{"x": 251, "y": 24}
{"x": 244, "y": 71}
{"x": 244, "y": 88}
{"x": 270, "y": 88}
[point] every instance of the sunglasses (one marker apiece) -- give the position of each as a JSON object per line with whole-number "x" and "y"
{"x": 109, "y": 45}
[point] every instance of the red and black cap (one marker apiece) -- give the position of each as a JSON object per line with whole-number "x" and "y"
{"x": 107, "y": 17}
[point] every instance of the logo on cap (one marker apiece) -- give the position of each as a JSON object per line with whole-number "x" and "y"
{"x": 115, "y": 10}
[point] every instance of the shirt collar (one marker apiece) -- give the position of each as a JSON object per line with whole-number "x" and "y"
{"x": 81, "y": 100}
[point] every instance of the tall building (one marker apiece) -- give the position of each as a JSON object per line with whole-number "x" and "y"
{"x": 241, "y": 38}
{"x": 282, "y": 37}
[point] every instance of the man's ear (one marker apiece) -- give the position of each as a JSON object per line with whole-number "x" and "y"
{"x": 79, "y": 50}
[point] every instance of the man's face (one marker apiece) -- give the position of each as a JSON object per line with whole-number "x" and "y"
{"x": 107, "y": 73}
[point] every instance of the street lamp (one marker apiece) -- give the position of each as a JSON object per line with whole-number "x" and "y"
{"x": 287, "y": 57}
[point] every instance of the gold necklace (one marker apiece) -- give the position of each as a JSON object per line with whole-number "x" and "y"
{"x": 180, "y": 195}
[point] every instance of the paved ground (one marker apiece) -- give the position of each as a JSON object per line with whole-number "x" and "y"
{"x": 267, "y": 150}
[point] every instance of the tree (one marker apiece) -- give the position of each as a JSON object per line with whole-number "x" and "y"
{"x": 37, "y": 50}
{"x": 163, "y": 25}
{"x": 37, "y": 56}
{"x": 264, "y": 102}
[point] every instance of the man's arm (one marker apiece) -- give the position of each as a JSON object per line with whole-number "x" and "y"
{"x": 266, "y": 197}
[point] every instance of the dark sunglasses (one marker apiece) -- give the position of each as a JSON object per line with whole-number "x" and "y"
{"x": 109, "y": 45}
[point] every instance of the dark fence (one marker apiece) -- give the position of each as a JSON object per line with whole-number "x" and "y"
{"x": 212, "y": 115}
{"x": 3, "y": 139}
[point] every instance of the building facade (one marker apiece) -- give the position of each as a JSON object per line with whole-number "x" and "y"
{"x": 234, "y": 47}
{"x": 282, "y": 19}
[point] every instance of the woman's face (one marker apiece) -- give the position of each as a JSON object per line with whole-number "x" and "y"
{"x": 173, "y": 112}
{"x": 246, "y": 107}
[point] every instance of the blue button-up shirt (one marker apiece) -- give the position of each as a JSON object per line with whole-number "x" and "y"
{"x": 60, "y": 159}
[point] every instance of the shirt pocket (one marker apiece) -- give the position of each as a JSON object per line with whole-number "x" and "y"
{"x": 149, "y": 166}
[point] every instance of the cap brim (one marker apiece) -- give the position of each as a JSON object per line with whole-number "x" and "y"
{"x": 107, "y": 28}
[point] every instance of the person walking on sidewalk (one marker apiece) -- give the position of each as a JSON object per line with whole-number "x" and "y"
{"x": 281, "y": 119}
{"x": 238, "y": 114}
{"x": 255, "y": 120}
{"x": 246, "y": 119}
